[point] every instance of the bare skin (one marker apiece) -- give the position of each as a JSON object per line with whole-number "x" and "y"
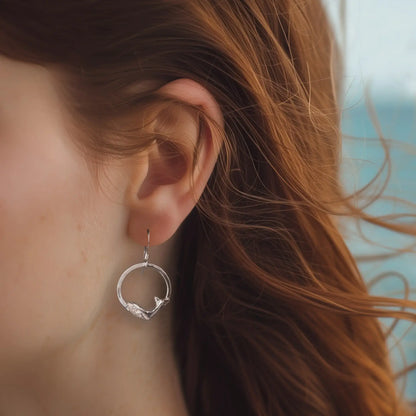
{"x": 68, "y": 347}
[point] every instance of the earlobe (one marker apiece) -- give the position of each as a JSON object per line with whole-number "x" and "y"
{"x": 162, "y": 198}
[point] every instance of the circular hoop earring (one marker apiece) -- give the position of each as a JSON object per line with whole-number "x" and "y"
{"x": 133, "y": 308}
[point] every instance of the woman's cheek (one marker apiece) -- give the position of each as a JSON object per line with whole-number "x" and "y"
{"x": 41, "y": 252}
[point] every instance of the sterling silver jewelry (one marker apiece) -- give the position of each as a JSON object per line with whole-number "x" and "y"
{"x": 133, "y": 308}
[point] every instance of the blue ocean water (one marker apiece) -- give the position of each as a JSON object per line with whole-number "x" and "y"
{"x": 363, "y": 156}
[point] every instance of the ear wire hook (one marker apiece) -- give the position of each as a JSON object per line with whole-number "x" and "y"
{"x": 146, "y": 249}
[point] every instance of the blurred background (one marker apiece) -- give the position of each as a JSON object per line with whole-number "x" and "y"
{"x": 378, "y": 38}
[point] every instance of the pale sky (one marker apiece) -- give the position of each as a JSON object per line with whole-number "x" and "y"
{"x": 380, "y": 45}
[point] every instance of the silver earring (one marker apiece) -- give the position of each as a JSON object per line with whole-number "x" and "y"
{"x": 133, "y": 308}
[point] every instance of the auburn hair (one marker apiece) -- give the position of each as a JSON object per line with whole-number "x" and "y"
{"x": 272, "y": 315}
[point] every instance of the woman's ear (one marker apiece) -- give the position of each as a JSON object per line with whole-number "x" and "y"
{"x": 165, "y": 184}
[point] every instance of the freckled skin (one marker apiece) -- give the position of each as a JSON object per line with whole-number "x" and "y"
{"x": 51, "y": 216}
{"x": 84, "y": 256}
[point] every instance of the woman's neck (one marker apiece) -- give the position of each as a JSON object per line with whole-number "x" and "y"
{"x": 120, "y": 365}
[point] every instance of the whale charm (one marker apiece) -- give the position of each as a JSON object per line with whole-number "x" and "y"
{"x": 139, "y": 312}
